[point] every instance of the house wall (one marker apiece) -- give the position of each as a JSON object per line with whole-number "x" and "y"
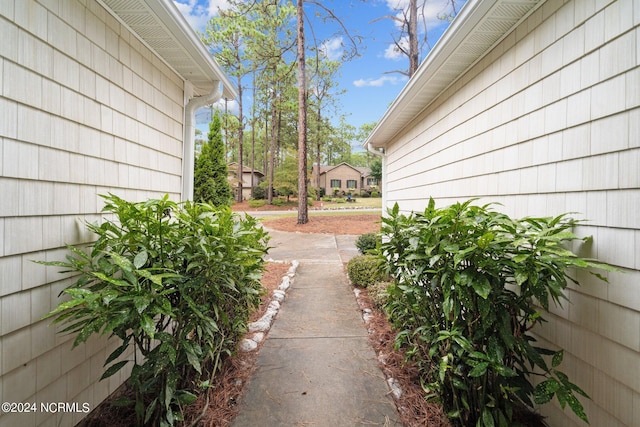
{"x": 85, "y": 109}
{"x": 547, "y": 123}
{"x": 343, "y": 173}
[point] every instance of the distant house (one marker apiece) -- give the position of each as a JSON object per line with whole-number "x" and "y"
{"x": 96, "y": 97}
{"x": 536, "y": 105}
{"x": 249, "y": 180}
{"x": 345, "y": 178}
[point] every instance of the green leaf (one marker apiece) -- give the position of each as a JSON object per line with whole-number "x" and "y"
{"x": 147, "y": 325}
{"x": 141, "y": 303}
{"x": 117, "y": 352}
{"x": 557, "y": 358}
{"x": 576, "y": 407}
{"x": 186, "y": 398}
{"x": 482, "y": 286}
{"x": 485, "y": 240}
{"x": 140, "y": 259}
{"x": 113, "y": 369}
{"x": 544, "y": 391}
{"x": 487, "y": 418}
{"x": 521, "y": 277}
{"x": 479, "y": 370}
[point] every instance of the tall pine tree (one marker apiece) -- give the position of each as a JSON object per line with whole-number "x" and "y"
{"x": 211, "y": 172}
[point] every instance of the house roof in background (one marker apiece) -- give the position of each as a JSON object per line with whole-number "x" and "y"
{"x": 326, "y": 168}
{"x": 480, "y": 26}
{"x": 233, "y": 167}
{"x": 161, "y": 27}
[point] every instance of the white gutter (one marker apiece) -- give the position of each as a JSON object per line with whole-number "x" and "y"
{"x": 188, "y": 153}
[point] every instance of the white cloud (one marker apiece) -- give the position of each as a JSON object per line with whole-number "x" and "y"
{"x": 392, "y": 51}
{"x": 379, "y": 81}
{"x": 198, "y": 12}
{"x": 332, "y": 49}
{"x": 426, "y": 15}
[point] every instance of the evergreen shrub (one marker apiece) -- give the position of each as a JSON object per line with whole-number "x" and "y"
{"x": 177, "y": 282}
{"x": 363, "y": 270}
{"x": 368, "y": 242}
{"x": 470, "y": 283}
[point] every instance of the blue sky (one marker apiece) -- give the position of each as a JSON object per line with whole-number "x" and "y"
{"x": 369, "y": 82}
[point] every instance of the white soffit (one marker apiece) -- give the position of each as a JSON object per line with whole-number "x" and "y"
{"x": 480, "y": 25}
{"x": 161, "y": 26}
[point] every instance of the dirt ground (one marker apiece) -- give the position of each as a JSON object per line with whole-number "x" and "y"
{"x": 355, "y": 224}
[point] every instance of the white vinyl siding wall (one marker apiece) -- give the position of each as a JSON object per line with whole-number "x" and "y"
{"x": 85, "y": 109}
{"x": 549, "y": 122}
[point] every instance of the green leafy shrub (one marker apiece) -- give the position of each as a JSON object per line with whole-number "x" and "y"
{"x": 278, "y": 202}
{"x": 327, "y": 198}
{"x": 175, "y": 281}
{"x": 368, "y": 242}
{"x": 375, "y": 194}
{"x": 338, "y": 200}
{"x": 470, "y": 283}
{"x": 378, "y": 293}
{"x": 260, "y": 192}
{"x": 257, "y": 203}
{"x": 364, "y": 270}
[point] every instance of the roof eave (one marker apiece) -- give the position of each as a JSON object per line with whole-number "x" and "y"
{"x": 208, "y": 73}
{"x": 443, "y": 66}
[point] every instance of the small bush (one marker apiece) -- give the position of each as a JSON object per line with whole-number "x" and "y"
{"x": 378, "y": 293}
{"x": 312, "y": 193}
{"x": 368, "y": 242}
{"x": 278, "y": 202}
{"x": 327, "y": 198}
{"x": 375, "y": 194}
{"x": 255, "y": 203}
{"x": 338, "y": 200}
{"x": 260, "y": 192}
{"x": 363, "y": 270}
{"x": 365, "y": 194}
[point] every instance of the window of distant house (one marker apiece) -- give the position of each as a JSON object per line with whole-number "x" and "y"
{"x": 352, "y": 183}
{"x": 336, "y": 183}
{"x": 372, "y": 181}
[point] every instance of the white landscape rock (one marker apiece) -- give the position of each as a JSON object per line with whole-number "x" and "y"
{"x": 278, "y": 295}
{"x": 262, "y": 325}
{"x": 395, "y": 387}
{"x": 258, "y": 337}
{"x": 247, "y": 345}
{"x": 285, "y": 284}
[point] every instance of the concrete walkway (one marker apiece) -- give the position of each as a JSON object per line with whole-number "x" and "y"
{"x": 316, "y": 367}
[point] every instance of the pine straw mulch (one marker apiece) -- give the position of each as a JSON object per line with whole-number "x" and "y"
{"x": 413, "y": 409}
{"x": 354, "y": 224}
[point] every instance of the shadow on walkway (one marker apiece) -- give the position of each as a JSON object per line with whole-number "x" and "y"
{"x": 316, "y": 367}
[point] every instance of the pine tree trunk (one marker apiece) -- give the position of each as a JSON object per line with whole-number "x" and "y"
{"x": 273, "y": 146}
{"x": 240, "y": 142}
{"x": 303, "y": 213}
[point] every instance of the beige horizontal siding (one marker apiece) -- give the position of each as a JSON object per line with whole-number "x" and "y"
{"x": 547, "y": 123}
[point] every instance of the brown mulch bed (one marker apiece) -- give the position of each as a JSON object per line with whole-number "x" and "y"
{"x": 413, "y": 409}
{"x": 355, "y": 224}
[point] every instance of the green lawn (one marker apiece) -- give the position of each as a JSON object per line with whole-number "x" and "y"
{"x": 361, "y": 202}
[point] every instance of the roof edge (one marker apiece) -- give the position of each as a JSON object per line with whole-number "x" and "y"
{"x": 465, "y": 24}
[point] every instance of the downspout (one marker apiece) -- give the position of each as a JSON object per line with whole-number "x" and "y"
{"x": 188, "y": 153}
{"x": 380, "y": 153}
